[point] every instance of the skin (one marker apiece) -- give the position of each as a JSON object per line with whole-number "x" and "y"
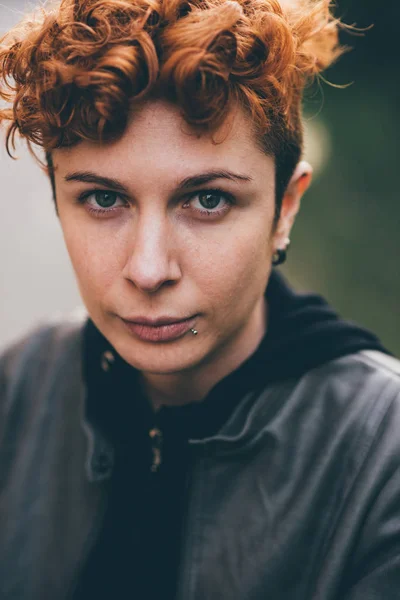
{"x": 155, "y": 253}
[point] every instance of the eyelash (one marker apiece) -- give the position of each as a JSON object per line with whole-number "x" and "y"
{"x": 228, "y": 198}
{"x": 83, "y": 200}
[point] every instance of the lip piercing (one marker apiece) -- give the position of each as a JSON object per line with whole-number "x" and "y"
{"x": 194, "y": 331}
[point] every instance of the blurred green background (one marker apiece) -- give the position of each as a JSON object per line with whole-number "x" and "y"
{"x": 346, "y": 241}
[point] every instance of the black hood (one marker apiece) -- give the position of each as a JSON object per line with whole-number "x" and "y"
{"x": 303, "y": 333}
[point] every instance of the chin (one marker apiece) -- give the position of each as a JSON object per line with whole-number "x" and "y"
{"x": 165, "y": 359}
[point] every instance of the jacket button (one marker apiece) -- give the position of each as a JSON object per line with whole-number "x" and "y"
{"x": 107, "y": 359}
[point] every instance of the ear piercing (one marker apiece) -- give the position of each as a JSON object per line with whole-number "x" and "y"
{"x": 280, "y": 255}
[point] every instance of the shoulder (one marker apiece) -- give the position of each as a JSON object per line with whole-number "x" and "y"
{"x": 366, "y": 374}
{"x": 38, "y": 355}
{"x": 340, "y": 402}
{"x": 354, "y": 402}
{"x": 347, "y": 413}
{"x": 383, "y": 363}
{"x": 348, "y": 403}
{"x": 361, "y": 388}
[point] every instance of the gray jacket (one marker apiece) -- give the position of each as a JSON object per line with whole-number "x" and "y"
{"x": 296, "y": 498}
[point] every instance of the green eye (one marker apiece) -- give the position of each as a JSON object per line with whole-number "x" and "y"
{"x": 105, "y": 199}
{"x": 209, "y": 200}
{"x": 210, "y": 203}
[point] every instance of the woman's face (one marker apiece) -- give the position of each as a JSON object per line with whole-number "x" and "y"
{"x": 164, "y": 224}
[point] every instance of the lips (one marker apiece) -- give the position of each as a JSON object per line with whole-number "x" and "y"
{"x": 164, "y": 329}
{"x": 157, "y": 322}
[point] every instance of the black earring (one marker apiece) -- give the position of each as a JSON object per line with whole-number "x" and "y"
{"x": 280, "y": 255}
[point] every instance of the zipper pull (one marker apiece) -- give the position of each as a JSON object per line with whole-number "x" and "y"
{"x": 156, "y": 437}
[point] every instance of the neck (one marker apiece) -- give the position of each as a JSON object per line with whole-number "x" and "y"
{"x": 193, "y": 385}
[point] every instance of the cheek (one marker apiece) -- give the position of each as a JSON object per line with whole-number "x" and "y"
{"x": 94, "y": 259}
{"x": 235, "y": 268}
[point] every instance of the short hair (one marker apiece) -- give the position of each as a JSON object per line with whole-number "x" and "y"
{"x": 73, "y": 70}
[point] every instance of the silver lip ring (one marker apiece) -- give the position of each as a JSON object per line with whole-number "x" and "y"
{"x": 194, "y": 331}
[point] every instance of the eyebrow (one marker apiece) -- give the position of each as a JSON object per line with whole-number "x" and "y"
{"x": 187, "y": 183}
{"x": 202, "y": 178}
{"x": 90, "y": 177}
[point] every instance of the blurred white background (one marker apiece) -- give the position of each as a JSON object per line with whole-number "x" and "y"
{"x": 36, "y": 280}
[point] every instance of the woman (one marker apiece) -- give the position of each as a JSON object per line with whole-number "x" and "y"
{"x": 204, "y": 432}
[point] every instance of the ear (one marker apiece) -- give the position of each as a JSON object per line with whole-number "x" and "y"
{"x": 298, "y": 184}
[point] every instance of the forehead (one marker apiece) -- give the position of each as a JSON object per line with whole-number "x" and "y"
{"x": 158, "y": 140}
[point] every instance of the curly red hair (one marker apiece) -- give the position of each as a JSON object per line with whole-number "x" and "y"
{"x": 74, "y": 70}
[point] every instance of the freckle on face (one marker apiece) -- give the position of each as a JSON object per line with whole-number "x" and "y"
{"x": 150, "y": 259}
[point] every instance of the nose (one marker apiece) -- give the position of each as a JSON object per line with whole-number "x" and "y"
{"x": 152, "y": 261}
